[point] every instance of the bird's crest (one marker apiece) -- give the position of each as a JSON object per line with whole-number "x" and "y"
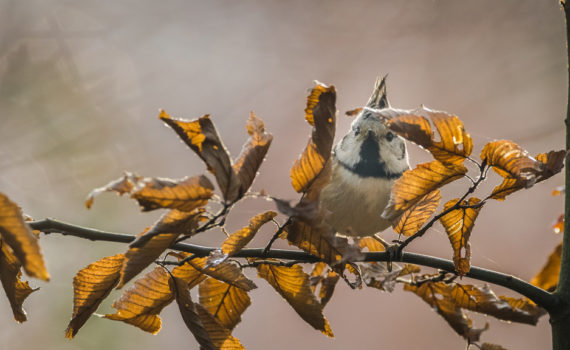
{"x": 379, "y": 100}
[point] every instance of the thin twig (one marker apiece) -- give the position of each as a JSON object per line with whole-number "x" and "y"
{"x": 276, "y": 235}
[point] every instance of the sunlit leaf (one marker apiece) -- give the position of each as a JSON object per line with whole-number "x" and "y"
{"x": 436, "y": 294}
{"x": 294, "y": 286}
{"x": 202, "y": 137}
{"x": 559, "y": 224}
{"x": 326, "y": 279}
{"x": 547, "y": 278}
{"x": 16, "y": 290}
{"x": 225, "y": 302}
{"x": 490, "y": 346}
{"x": 253, "y": 152}
{"x": 372, "y": 244}
{"x": 416, "y": 216}
{"x": 190, "y": 314}
{"x": 522, "y": 310}
{"x": 122, "y": 185}
{"x": 454, "y": 144}
{"x": 353, "y": 112}
{"x": 147, "y": 247}
{"x": 91, "y": 285}
{"x": 194, "y": 272}
{"x": 141, "y": 304}
{"x": 220, "y": 336}
{"x": 419, "y": 182}
{"x": 18, "y": 236}
{"x": 409, "y": 269}
{"x": 552, "y": 164}
{"x": 458, "y": 224}
{"x": 320, "y": 113}
{"x": 509, "y": 160}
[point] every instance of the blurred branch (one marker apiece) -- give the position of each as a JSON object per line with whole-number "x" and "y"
{"x": 541, "y": 297}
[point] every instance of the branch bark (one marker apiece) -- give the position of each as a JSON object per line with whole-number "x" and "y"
{"x": 539, "y": 296}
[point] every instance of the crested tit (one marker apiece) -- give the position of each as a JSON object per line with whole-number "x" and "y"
{"x": 365, "y": 165}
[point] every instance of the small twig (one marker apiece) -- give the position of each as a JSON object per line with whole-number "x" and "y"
{"x": 276, "y": 235}
{"x": 272, "y": 262}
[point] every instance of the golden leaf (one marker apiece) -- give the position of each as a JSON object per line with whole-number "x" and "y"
{"x": 195, "y": 271}
{"x": 122, "y": 185}
{"x": 16, "y": 290}
{"x": 202, "y": 137}
{"x": 372, "y": 244}
{"x": 239, "y": 239}
{"x": 559, "y": 224}
{"x": 294, "y": 286}
{"x": 327, "y": 281}
{"x": 220, "y": 336}
{"x": 190, "y": 314}
{"x": 415, "y": 217}
{"x": 419, "y": 182}
{"x": 320, "y": 113}
{"x": 223, "y": 301}
{"x": 253, "y": 152}
{"x": 509, "y": 160}
{"x": 458, "y": 224}
{"x": 141, "y": 304}
{"x": 552, "y": 163}
{"x": 91, "y": 285}
{"x": 409, "y": 269}
{"x": 353, "y": 112}
{"x": 455, "y": 143}
{"x": 436, "y": 294}
{"x": 18, "y": 236}
{"x": 147, "y": 247}
{"x": 490, "y": 346}
{"x": 547, "y": 278}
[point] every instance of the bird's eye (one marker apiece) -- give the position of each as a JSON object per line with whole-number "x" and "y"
{"x": 389, "y": 136}
{"x": 356, "y": 131}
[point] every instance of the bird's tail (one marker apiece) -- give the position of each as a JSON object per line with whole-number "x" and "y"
{"x": 379, "y": 100}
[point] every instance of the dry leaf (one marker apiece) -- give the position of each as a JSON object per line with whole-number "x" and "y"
{"x": 185, "y": 194}
{"x": 91, "y": 285}
{"x": 147, "y": 247}
{"x": 195, "y": 271}
{"x": 416, "y": 216}
{"x": 320, "y": 113}
{"x": 16, "y": 290}
{"x": 253, "y": 152}
{"x": 559, "y": 224}
{"x": 353, "y": 112}
{"x": 18, "y": 236}
{"x": 509, "y": 160}
{"x": 190, "y": 314}
{"x": 372, "y": 244}
{"x": 202, "y": 137}
{"x": 419, "y": 182}
{"x": 458, "y": 224}
{"x": 327, "y": 281}
{"x": 294, "y": 286}
{"x": 490, "y": 346}
{"x": 220, "y": 336}
{"x": 376, "y": 275}
{"x": 141, "y": 304}
{"x": 547, "y": 278}
{"x": 223, "y": 301}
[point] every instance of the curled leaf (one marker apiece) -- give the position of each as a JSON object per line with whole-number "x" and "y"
{"x": 141, "y": 304}
{"x": 509, "y": 160}
{"x": 253, "y": 152}
{"x": 223, "y": 301}
{"x": 16, "y": 290}
{"x": 416, "y": 216}
{"x": 327, "y": 281}
{"x": 419, "y": 182}
{"x": 122, "y": 185}
{"x": 195, "y": 271}
{"x": 320, "y": 113}
{"x": 91, "y": 285}
{"x": 20, "y": 238}
{"x": 547, "y": 278}
{"x": 202, "y": 137}
{"x": 458, "y": 224}
{"x": 294, "y": 286}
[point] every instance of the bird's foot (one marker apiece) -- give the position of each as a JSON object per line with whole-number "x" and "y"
{"x": 393, "y": 250}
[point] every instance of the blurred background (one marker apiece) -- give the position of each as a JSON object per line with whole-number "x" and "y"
{"x": 81, "y": 84}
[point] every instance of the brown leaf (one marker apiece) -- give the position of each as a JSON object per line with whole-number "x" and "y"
{"x": 419, "y": 182}
{"x": 490, "y": 346}
{"x": 559, "y": 224}
{"x": 509, "y": 160}
{"x": 416, "y": 216}
{"x": 185, "y": 194}
{"x": 253, "y": 152}
{"x": 190, "y": 314}
{"x": 327, "y": 281}
{"x": 18, "y": 236}
{"x": 147, "y": 248}
{"x": 455, "y": 143}
{"x": 409, "y": 269}
{"x": 458, "y": 224}
{"x": 376, "y": 275}
{"x": 547, "y": 278}
{"x": 522, "y": 310}
{"x": 372, "y": 244}
{"x": 436, "y": 294}
{"x": 220, "y": 336}
{"x": 16, "y": 290}
{"x": 195, "y": 271}
{"x": 294, "y": 286}
{"x": 91, "y": 285}
{"x": 553, "y": 162}
{"x": 223, "y": 301}
{"x": 239, "y": 239}
{"x": 141, "y": 304}
{"x": 202, "y": 137}
{"x": 320, "y": 113}
{"x": 353, "y": 112}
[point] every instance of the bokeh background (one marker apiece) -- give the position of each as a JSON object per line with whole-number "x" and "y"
{"x": 81, "y": 84}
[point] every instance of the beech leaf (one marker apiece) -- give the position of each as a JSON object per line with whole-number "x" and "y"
{"x": 326, "y": 279}
{"x": 91, "y": 285}
{"x": 17, "y": 235}
{"x": 195, "y": 271}
{"x": 547, "y": 278}
{"x": 220, "y": 336}
{"x": 294, "y": 286}
{"x": 223, "y": 301}
{"x": 416, "y": 216}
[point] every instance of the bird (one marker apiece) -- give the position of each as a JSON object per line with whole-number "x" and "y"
{"x": 365, "y": 164}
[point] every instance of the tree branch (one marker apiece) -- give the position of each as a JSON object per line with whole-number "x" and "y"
{"x": 539, "y": 296}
